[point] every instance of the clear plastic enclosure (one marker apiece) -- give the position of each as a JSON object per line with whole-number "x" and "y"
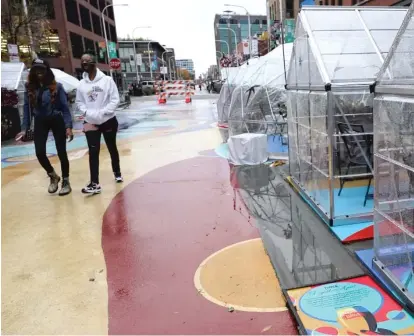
{"x": 394, "y": 163}
{"x": 258, "y": 104}
{"x": 337, "y": 54}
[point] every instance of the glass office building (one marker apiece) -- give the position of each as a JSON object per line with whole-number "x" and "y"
{"x": 187, "y": 64}
{"x": 234, "y": 28}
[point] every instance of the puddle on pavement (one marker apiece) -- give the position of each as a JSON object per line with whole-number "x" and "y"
{"x": 301, "y": 248}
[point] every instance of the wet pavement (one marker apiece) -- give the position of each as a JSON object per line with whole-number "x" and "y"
{"x": 187, "y": 245}
{"x": 164, "y": 253}
{"x": 143, "y": 117}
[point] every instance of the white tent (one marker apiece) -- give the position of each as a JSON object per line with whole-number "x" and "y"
{"x": 69, "y": 82}
{"x": 13, "y": 75}
{"x": 258, "y": 98}
{"x": 232, "y": 78}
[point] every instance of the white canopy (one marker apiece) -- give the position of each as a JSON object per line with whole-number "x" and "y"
{"x": 13, "y": 75}
{"x": 256, "y": 102}
{"x": 69, "y": 82}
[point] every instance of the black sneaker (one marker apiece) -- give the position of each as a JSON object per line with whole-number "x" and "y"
{"x": 119, "y": 179}
{"x": 92, "y": 188}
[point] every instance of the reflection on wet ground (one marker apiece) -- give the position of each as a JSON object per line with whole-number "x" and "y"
{"x": 300, "y": 246}
{"x": 141, "y": 119}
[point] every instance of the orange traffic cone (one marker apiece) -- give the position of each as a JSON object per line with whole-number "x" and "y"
{"x": 187, "y": 98}
{"x": 162, "y": 99}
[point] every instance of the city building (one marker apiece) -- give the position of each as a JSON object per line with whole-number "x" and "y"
{"x": 150, "y": 51}
{"x": 234, "y": 28}
{"x": 290, "y": 9}
{"x": 187, "y": 64}
{"x": 213, "y": 72}
{"x": 76, "y": 27}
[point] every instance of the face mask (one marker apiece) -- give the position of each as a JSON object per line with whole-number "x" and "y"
{"x": 88, "y": 66}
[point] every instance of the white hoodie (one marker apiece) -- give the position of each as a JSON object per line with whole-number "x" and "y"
{"x": 97, "y": 99}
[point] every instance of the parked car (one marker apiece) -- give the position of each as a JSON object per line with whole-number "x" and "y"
{"x": 148, "y": 87}
{"x": 216, "y": 86}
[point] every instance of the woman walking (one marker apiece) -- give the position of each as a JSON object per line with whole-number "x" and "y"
{"x": 46, "y": 102}
{"x": 97, "y": 98}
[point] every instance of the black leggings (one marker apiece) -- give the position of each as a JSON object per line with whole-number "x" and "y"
{"x": 42, "y": 126}
{"x": 109, "y": 130}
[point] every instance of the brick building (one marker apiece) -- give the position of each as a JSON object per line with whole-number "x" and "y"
{"x": 76, "y": 28}
{"x": 290, "y": 9}
{"x": 363, "y": 2}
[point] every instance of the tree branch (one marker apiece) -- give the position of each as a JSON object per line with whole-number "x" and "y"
{"x": 15, "y": 22}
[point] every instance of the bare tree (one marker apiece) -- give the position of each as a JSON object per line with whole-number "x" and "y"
{"x": 15, "y": 23}
{"x": 128, "y": 38}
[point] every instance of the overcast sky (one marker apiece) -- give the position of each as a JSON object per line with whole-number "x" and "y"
{"x": 185, "y": 25}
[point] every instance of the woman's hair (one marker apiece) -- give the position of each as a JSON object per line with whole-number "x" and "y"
{"x": 33, "y": 85}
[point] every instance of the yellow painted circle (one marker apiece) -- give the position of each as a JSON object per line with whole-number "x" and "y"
{"x": 240, "y": 276}
{"x": 24, "y": 158}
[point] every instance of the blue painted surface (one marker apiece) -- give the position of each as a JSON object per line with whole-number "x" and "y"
{"x": 345, "y": 231}
{"x": 342, "y": 232}
{"x": 130, "y": 127}
{"x": 77, "y": 143}
{"x": 366, "y": 256}
{"x": 223, "y": 151}
{"x": 274, "y": 144}
{"x": 351, "y": 201}
{"x": 372, "y": 300}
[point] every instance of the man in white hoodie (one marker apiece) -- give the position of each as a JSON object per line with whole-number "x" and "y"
{"x": 97, "y": 98}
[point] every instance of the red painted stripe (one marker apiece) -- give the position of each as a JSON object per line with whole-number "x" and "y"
{"x": 156, "y": 232}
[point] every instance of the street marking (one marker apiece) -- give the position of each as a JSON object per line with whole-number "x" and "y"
{"x": 201, "y": 290}
{"x": 77, "y": 154}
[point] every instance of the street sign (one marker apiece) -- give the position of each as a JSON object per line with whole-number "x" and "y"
{"x": 13, "y": 53}
{"x": 246, "y": 50}
{"x": 112, "y": 49}
{"x": 164, "y": 70}
{"x": 290, "y": 26}
{"x": 115, "y": 63}
{"x": 255, "y": 47}
{"x": 139, "y": 59}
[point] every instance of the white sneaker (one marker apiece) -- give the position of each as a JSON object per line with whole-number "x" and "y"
{"x": 119, "y": 179}
{"x": 92, "y": 188}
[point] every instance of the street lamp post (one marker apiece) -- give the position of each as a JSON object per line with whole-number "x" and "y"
{"x": 281, "y": 20}
{"x": 169, "y": 62}
{"x": 228, "y": 47}
{"x": 163, "y": 63}
{"x": 235, "y": 42}
{"x": 135, "y": 50}
{"x": 149, "y": 57}
{"x": 218, "y": 61}
{"x": 249, "y": 23}
{"x": 104, "y": 29}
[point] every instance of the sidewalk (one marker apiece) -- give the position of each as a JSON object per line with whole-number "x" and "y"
{"x": 163, "y": 253}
